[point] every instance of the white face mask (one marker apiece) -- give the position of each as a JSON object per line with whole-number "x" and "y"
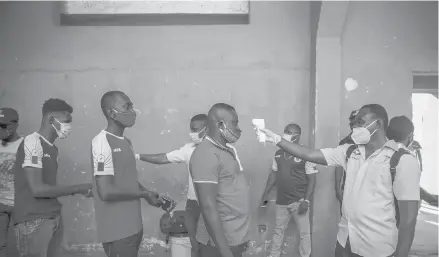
{"x": 195, "y": 136}
{"x": 361, "y": 135}
{"x": 290, "y": 137}
{"x": 64, "y": 129}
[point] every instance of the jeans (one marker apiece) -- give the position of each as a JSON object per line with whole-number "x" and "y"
{"x": 341, "y": 251}
{"x": 126, "y": 247}
{"x": 192, "y": 214}
{"x": 212, "y": 251}
{"x": 39, "y": 238}
{"x": 8, "y": 246}
{"x": 284, "y": 213}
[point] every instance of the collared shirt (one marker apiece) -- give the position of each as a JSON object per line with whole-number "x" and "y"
{"x": 7, "y": 161}
{"x": 368, "y": 200}
{"x": 114, "y": 156}
{"x": 291, "y": 179}
{"x": 213, "y": 163}
{"x": 183, "y": 155}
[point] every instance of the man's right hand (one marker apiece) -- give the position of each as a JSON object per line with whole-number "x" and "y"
{"x": 153, "y": 199}
{"x": 269, "y": 135}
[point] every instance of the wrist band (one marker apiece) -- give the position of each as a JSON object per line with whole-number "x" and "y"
{"x": 137, "y": 156}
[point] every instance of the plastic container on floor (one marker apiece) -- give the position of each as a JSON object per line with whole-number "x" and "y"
{"x": 180, "y": 246}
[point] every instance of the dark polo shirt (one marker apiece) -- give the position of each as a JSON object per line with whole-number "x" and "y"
{"x": 114, "y": 156}
{"x": 36, "y": 152}
{"x": 212, "y": 163}
{"x": 291, "y": 177}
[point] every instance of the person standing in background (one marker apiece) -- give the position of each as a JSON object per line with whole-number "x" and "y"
{"x": 401, "y": 130}
{"x": 10, "y": 141}
{"x": 37, "y": 211}
{"x": 295, "y": 180}
{"x": 198, "y": 127}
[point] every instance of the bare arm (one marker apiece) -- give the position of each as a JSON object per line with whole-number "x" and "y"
{"x": 311, "y": 185}
{"x": 207, "y": 193}
{"x": 408, "y": 212}
{"x": 108, "y": 191}
{"x": 302, "y": 152}
{"x": 39, "y": 189}
{"x": 407, "y": 192}
{"x": 159, "y": 158}
{"x": 270, "y": 184}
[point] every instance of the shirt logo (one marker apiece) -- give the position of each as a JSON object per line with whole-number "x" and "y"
{"x": 101, "y": 163}
{"x": 47, "y": 155}
{"x": 297, "y": 159}
{"x": 117, "y": 150}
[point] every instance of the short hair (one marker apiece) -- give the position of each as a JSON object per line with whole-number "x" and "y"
{"x": 56, "y": 105}
{"x": 400, "y": 127}
{"x": 222, "y": 106}
{"x": 199, "y": 117}
{"x": 379, "y": 112}
{"x": 110, "y": 95}
{"x": 291, "y": 125}
{"x": 353, "y": 114}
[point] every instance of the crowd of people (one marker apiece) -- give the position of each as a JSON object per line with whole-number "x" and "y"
{"x": 377, "y": 183}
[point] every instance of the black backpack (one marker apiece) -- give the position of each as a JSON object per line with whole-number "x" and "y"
{"x": 394, "y": 161}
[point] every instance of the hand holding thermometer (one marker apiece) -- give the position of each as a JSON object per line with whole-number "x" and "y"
{"x": 259, "y": 124}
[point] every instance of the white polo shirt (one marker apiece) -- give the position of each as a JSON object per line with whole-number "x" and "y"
{"x": 183, "y": 155}
{"x": 368, "y": 200}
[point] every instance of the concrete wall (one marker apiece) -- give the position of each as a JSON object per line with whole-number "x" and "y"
{"x": 382, "y": 44}
{"x": 171, "y": 73}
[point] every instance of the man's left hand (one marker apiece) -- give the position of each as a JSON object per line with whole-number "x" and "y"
{"x": 303, "y": 207}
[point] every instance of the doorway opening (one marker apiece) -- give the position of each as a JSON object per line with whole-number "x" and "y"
{"x": 425, "y": 119}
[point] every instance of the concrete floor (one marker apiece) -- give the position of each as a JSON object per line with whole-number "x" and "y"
{"x": 425, "y": 242}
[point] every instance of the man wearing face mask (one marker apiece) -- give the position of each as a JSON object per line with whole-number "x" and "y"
{"x": 368, "y": 224}
{"x": 8, "y": 149}
{"x": 197, "y": 127}
{"x": 295, "y": 180}
{"x": 401, "y": 130}
{"x": 116, "y": 189}
{"x": 221, "y": 187}
{"x": 37, "y": 211}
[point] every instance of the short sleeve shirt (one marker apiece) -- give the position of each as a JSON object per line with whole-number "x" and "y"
{"x": 212, "y": 163}
{"x": 35, "y": 152}
{"x": 114, "y": 156}
{"x": 183, "y": 155}
{"x": 291, "y": 179}
{"x": 368, "y": 201}
{"x": 7, "y": 161}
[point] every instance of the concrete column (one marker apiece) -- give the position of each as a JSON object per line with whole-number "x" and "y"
{"x": 327, "y": 123}
{"x": 327, "y": 127}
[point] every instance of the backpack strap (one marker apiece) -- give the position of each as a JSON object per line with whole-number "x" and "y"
{"x": 394, "y": 161}
{"x": 350, "y": 150}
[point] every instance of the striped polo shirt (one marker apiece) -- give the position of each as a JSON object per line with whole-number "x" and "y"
{"x": 114, "y": 156}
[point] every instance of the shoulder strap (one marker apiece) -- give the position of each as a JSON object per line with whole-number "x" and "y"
{"x": 350, "y": 150}
{"x": 394, "y": 161}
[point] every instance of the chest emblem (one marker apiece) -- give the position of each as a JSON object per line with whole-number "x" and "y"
{"x": 297, "y": 159}
{"x": 117, "y": 150}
